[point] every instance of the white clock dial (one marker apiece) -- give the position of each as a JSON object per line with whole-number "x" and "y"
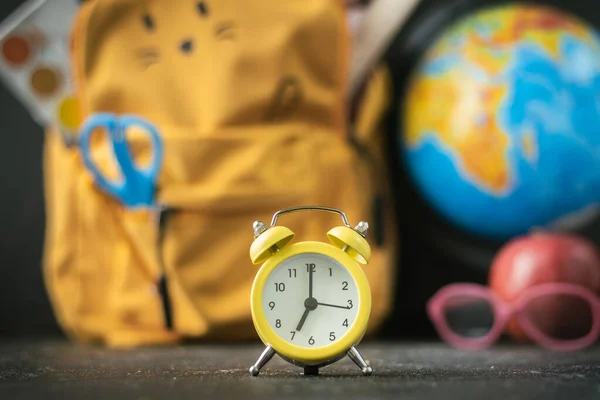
{"x": 310, "y": 318}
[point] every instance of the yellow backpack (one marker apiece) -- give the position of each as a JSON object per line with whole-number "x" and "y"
{"x": 249, "y": 99}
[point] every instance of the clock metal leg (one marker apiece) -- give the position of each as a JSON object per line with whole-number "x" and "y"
{"x": 264, "y": 358}
{"x": 360, "y": 361}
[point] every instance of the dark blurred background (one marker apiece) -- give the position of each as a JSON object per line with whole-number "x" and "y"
{"x": 24, "y": 306}
{"x": 433, "y": 253}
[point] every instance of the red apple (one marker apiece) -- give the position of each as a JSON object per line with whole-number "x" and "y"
{"x": 541, "y": 258}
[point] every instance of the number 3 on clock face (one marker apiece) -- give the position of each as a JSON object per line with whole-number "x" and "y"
{"x": 310, "y": 300}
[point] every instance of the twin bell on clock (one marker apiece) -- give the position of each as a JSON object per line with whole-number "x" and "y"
{"x": 310, "y": 300}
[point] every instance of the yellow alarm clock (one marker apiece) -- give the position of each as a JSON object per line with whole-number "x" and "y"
{"x": 311, "y": 300}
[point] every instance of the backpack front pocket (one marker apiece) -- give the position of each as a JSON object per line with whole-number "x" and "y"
{"x": 216, "y": 186}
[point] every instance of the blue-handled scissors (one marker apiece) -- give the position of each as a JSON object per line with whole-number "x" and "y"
{"x": 137, "y": 186}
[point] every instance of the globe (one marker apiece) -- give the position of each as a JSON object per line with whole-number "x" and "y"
{"x": 500, "y": 124}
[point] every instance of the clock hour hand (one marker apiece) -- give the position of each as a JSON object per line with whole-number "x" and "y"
{"x": 301, "y": 323}
{"x": 331, "y": 305}
{"x": 310, "y": 304}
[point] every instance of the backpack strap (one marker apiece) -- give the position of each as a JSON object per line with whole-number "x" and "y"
{"x": 381, "y": 22}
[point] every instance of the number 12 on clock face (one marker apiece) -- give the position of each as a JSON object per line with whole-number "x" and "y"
{"x": 310, "y": 300}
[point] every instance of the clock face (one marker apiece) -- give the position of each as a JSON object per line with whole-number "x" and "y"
{"x": 310, "y": 300}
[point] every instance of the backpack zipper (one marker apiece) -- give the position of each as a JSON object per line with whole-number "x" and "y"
{"x": 162, "y": 284}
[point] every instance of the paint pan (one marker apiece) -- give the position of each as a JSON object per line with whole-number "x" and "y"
{"x": 34, "y": 61}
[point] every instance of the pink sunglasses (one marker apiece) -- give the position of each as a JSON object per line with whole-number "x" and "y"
{"x": 558, "y": 316}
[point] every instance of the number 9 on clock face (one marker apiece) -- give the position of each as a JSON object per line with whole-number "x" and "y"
{"x": 310, "y": 300}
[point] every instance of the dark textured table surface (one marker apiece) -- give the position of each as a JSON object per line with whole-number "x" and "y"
{"x": 56, "y": 369}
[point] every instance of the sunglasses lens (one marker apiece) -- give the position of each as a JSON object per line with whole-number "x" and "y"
{"x": 561, "y": 316}
{"x": 469, "y": 316}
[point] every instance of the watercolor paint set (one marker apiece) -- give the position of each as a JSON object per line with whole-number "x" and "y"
{"x": 34, "y": 61}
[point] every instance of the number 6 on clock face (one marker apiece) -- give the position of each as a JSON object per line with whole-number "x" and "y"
{"x": 332, "y": 303}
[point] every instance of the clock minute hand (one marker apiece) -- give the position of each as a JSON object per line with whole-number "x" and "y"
{"x": 310, "y": 296}
{"x": 310, "y": 282}
{"x": 331, "y": 305}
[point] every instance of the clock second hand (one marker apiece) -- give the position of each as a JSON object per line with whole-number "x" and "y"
{"x": 310, "y": 305}
{"x": 331, "y": 305}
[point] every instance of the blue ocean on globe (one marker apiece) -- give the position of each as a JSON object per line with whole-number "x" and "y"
{"x": 502, "y": 121}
